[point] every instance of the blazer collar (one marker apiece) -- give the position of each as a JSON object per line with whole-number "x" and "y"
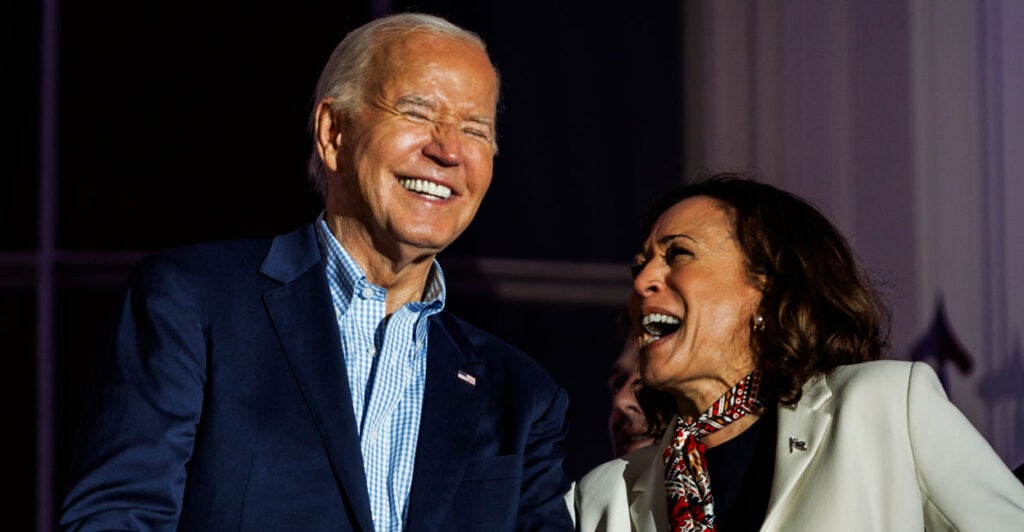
{"x": 647, "y": 490}
{"x": 303, "y": 318}
{"x": 291, "y": 255}
{"x": 804, "y": 422}
{"x": 798, "y": 441}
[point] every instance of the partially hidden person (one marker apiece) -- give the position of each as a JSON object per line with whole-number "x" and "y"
{"x": 627, "y": 425}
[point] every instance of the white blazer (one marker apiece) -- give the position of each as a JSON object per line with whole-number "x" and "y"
{"x": 885, "y": 450}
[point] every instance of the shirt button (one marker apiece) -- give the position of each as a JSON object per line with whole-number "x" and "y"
{"x": 367, "y": 292}
{"x": 372, "y": 351}
{"x": 373, "y": 434}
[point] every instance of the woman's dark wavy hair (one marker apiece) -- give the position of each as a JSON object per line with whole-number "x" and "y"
{"x": 821, "y": 309}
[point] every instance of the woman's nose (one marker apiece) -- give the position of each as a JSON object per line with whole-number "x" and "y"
{"x": 647, "y": 280}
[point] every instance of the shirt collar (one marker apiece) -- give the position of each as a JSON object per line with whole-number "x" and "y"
{"x": 341, "y": 266}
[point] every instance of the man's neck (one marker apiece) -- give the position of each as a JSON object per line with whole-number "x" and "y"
{"x": 403, "y": 272}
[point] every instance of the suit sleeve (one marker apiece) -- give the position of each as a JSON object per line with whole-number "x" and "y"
{"x": 542, "y": 503}
{"x": 140, "y": 411}
{"x": 964, "y": 483}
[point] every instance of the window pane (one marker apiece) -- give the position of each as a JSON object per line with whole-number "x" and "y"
{"x": 182, "y": 123}
{"x": 19, "y": 48}
{"x": 17, "y": 332}
{"x": 83, "y": 317}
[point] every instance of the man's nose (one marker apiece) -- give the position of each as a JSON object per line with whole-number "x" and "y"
{"x": 445, "y": 146}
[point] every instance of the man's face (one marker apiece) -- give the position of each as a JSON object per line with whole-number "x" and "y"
{"x": 626, "y": 422}
{"x": 415, "y": 161}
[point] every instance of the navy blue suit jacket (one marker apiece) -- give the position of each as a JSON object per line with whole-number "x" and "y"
{"x": 221, "y": 403}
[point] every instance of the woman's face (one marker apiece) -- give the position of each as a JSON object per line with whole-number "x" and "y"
{"x": 695, "y": 302}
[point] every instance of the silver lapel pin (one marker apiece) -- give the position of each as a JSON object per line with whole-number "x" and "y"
{"x": 799, "y": 445}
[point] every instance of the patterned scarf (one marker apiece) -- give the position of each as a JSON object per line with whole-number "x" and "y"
{"x": 687, "y": 486}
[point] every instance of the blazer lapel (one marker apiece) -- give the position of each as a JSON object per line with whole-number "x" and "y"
{"x": 451, "y": 411}
{"x": 647, "y": 493}
{"x": 799, "y": 438}
{"x": 303, "y": 316}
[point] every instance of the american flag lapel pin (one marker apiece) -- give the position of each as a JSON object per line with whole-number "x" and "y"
{"x": 467, "y": 377}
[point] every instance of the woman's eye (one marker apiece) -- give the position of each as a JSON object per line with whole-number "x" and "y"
{"x": 677, "y": 252}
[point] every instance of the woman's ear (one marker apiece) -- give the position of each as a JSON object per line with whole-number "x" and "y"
{"x": 758, "y": 277}
{"x": 761, "y": 281}
{"x": 328, "y": 134}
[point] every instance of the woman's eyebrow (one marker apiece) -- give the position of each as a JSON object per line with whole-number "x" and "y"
{"x": 669, "y": 238}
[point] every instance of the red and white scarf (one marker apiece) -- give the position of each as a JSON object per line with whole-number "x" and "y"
{"x": 687, "y": 486}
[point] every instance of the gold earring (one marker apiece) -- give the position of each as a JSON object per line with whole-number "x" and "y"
{"x": 758, "y": 323}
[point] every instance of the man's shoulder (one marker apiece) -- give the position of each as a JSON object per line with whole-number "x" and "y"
{"x": 492, "y": 349}
{"x": 226, "y": 250}
{"x": 472, "y": 332}
{"x": 225, "y": 259}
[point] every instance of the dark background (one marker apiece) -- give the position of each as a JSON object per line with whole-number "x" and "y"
{"x": 183, "y": 122}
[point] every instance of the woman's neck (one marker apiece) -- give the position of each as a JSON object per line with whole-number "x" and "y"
{"x": 730, "y": 431}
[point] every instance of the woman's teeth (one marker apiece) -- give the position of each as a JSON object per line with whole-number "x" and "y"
{"x": 657, "y": 325}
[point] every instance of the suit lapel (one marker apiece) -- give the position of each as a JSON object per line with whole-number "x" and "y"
{"x": 799, "y": 438}
{"x": 647, "y": 493}
{"x": 303, "y": 317}
{"x": 451, "y": 410}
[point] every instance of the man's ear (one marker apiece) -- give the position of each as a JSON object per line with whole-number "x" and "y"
{"x": 328, "y": 134}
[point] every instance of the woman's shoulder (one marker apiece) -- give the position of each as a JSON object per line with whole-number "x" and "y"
{"x": 881, "y": 372}
{"x": 886, "y": 381}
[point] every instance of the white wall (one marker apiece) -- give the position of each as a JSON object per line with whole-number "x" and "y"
{"x": 904, "y": 121}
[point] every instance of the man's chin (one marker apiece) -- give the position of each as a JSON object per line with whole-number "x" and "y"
{"x": 634, "y": 443}
{"x": 430, "y": 239}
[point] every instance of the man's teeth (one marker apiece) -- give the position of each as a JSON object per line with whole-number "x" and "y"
{"x": 422, "y": 186}
{"x": 656, "y": 325}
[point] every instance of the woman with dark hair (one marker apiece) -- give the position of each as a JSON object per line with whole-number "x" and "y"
{"x": 761, "y": 341}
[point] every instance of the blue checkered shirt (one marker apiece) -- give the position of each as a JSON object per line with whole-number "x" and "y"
{"x": 386, "y": 361}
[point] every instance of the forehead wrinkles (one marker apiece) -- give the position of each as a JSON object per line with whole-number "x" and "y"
{"x": 433, "y": 58}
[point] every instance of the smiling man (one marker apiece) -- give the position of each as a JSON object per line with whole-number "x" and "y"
{"x": 314, "y": 381}
{"x": 627, "y": 425}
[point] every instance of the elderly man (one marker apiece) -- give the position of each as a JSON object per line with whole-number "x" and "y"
{"x": 313, "y": 381}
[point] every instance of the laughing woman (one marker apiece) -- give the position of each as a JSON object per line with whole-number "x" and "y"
{"x": 760, "y": 359}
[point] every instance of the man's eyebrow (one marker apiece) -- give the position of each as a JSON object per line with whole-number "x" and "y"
{"x": 482, "y": 120}
{"x": 415, "y": 100}
{"x": 421, "y": 101}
